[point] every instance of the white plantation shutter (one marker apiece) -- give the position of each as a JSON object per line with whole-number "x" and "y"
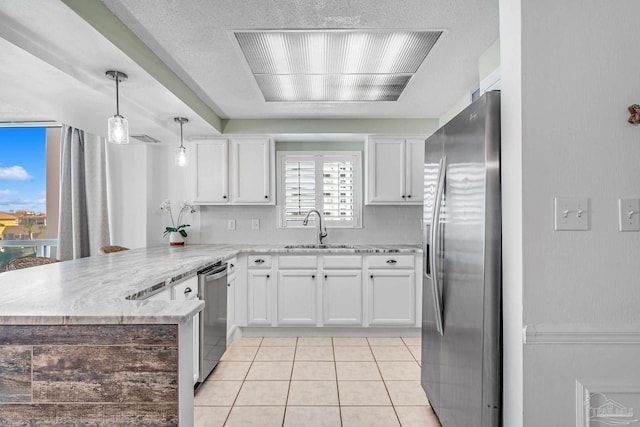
{"x": 326, "y": 181}
{"x": 299, "y": 188}
{"x": 338, "y": 191}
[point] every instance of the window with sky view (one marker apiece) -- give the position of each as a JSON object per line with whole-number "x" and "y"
{"x": 23, "y": 185}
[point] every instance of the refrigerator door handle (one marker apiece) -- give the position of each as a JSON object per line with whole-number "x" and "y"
{"x": 435, "y": 238}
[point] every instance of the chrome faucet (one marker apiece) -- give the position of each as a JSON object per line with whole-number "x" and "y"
{"x": 321, "y": 234}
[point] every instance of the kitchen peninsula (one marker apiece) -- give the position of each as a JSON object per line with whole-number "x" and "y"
{"x": 78, "y": 339}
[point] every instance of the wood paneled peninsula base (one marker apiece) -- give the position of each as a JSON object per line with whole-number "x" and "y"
{"x": 106, "y": 375}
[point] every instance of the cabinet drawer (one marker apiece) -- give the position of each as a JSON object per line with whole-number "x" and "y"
{"x": 186, "y": 290}
{"x": 259, "y": 261}
{"x": 391, "y": 261}
{"x": 297, "y": 261}
{"x": 342, "y": 261}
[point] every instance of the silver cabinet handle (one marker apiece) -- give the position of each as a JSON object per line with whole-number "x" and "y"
{"x": 187, "y": 291}
{"x": 435, "y": 219}
{"x": 259, "y": 261}
{"x": 391, "y": 261}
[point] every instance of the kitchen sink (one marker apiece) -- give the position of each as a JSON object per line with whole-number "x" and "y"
{"x": 316, "y": 246}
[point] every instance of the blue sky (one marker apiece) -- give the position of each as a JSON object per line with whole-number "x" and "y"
{"x": 22, "y": 169}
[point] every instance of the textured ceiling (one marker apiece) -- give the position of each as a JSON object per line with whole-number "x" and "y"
{"x": 195, "y": 39}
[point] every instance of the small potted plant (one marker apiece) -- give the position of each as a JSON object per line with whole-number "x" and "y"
{"x": 176, "y": 233}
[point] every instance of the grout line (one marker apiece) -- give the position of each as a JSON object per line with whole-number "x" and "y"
{"x": 242, "y": 385}
{"x": 286, "y": 402}
{"x": 335, "y": 367}
{"x": 385, "y": 385}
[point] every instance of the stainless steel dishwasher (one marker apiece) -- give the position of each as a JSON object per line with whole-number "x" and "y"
{"x": 212, "y": 283}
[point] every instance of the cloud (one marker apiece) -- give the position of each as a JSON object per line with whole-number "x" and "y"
{"x": 37, "y": 205}
{"x": 7, "y": 192}
{"x": 17, "y": 173}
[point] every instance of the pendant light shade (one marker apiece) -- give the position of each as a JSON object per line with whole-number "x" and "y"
{"x": 181, "y": 153}
{"x": 118, "y": 126}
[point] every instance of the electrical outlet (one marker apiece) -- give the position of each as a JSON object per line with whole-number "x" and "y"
{"x": 231, "y": 224}
{"x": 629, "y": 214}
{"x": 255, "y": 224}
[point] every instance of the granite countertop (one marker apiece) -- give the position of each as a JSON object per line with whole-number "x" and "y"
{"x": 100, "y": 289}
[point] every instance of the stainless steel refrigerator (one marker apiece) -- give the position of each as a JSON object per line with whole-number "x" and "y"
{"x": 462, "y": 314}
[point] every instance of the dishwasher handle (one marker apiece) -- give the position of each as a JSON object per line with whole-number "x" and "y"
{"x": 215, "y": 276}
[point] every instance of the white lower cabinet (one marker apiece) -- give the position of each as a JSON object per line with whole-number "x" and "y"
{"x": 297, "y": 297}
{"x": 231, "y": 296}
{"x": 259, "y": 296}
{"x": 329, "y": 290}
{"x": 342, "y": 297}
{"x": 392, "y": 297}
{"x": 185, "y": 290}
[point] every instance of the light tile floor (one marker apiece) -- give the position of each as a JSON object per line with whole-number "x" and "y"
{"x": 316, "y": 382}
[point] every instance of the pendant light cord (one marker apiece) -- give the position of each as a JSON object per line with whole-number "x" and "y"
{"x": 117, "y": 95}
{"x": 181, "y": 143}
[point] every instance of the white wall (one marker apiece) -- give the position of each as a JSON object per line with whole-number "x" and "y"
{"x": 127, "y": 186}
{"x": 578, "y": 78}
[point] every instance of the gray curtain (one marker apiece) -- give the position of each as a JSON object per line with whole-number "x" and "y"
{"x": 84, "y": 220}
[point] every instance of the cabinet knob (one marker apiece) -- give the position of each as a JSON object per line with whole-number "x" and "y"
{"x": 371, "y": 276}
{"x": 325, "y": 276}
{"x": 266, "y": 197}
{"x": 409, "y": 196}
{"x": 228, "y": 285}
{"x": 187, "y": 291}
{"x": 231, "y": 265}
{"x": 403, "y": 196}
{"x": 224, "y": 197}
{"x": 259, "y": 261}
{"x": 391, "y": 261}
{"x": 313, "y": 276}
{"x": 268, "y": 276}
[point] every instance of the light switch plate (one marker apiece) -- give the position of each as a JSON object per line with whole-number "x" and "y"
{"x": 629, "y": 214}
{"x": 231, "y": 224}
{"x": 255, "y": 224}
{"x": 571, "y": 213}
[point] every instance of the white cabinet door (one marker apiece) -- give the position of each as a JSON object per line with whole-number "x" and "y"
{"x": 252, "y": 171}
{"x": 342, "y": 297}
{"x": 297, "y": 296}
{"x": 414, "y": 174}
{"x": 188, "y": 290}
{"x": 231, "y": 296}
{"x": 259, "y": 295}
{"x": 210, "y": 172}
{"x": 385, "y": 170}
{"x": 391, "y": 297}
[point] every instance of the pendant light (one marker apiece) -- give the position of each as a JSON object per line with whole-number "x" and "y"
{"x": 118, "y": 126}
{"x": 181, "y": 152}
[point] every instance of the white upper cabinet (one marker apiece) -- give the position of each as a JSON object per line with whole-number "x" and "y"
{"x": 210, "y": 171}
{"x": 394, "y": 171}
{"x": 238, "y": 171}
{"x": 253, "y": 171}
{"x": 414, "y": 174}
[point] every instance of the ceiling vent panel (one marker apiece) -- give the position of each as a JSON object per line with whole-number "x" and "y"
{"x": 334, "y": 65}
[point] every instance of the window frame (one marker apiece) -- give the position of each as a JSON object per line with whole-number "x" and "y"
{"x": 320, "y": 157}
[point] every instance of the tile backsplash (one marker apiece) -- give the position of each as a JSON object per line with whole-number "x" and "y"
{"x": 381, "y": 224}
